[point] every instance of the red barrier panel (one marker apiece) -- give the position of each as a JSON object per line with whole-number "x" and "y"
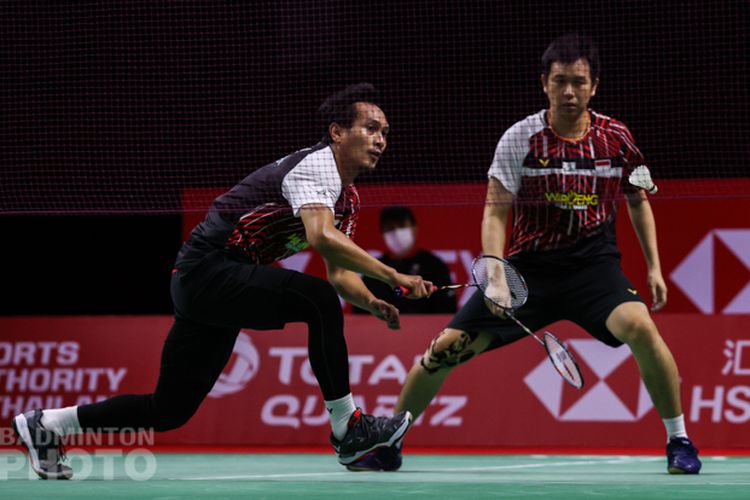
{"x": 267, "y": 394}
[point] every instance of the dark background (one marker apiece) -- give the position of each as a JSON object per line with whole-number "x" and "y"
{"x": 110, "y": 109}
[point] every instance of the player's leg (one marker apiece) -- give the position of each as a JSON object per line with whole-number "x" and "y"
{"x": 289, "y": 297}
{"x": 603, "y": 301}
{"x": 197, "y": 347}
{"x": 193, "y": 357}
{"x": 353, "y": 433}
{"x": 472, "y": 331}
{"x": 631, "y": 323}
{"x": 450, "y": 348}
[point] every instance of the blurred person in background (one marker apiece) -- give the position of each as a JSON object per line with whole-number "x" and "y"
{"x": 399, "y": 229}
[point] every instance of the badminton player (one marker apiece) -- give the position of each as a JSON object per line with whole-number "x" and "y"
{"x": 561, "y": 169}
{"x": 223, "y": 281}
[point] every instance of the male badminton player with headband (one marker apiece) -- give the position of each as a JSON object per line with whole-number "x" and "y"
{"x": 561, "y": 169}
{"x": 223, "y": 281}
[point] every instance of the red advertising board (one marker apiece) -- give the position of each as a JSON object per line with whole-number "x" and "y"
{"x": 267, "y": 394}
{"x": 507, "y": 398}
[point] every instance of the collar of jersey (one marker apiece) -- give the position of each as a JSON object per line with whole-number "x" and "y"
{"x": 567, "y": 139}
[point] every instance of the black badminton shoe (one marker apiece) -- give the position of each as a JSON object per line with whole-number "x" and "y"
{"x": 367, "y": 434}
{"x": 46, "y": 452}
{"x": 386, "y": 458}
{"x": 682, "y": 456}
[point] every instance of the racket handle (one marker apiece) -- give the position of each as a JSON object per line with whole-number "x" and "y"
{"x": 402, "y": 291}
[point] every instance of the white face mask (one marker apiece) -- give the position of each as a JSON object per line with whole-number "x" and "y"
{"x": 400, "y": 240}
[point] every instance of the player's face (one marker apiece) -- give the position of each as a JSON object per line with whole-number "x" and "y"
{"x": 364, "y": 142}
{"x": 569, "y": 88}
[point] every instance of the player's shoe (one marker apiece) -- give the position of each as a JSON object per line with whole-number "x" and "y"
{"x": 367, "y": 433}
{"x": 385, "y": 458}
{"x": 45, "y": 447}
{"x": 682, "y": 456}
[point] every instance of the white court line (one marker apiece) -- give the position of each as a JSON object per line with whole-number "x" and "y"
{"x": 553, "y": 464}
{"x": 451, "y": 470}
{"x": 263, "y": 476}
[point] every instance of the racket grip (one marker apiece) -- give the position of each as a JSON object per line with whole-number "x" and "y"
{"x": 402, "y": 291}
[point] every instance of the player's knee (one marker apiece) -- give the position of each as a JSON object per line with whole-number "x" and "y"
{"x": 169, "y": 412}
{"x": 636, "y": 330}
{"x": 170, "y": 419}
{"x": 450, "y": 348}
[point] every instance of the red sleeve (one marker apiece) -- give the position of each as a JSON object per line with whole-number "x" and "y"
{"x": 351, "y": 212}
{"x": 631, "y": 155}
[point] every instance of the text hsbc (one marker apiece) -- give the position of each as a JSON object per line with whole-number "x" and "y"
{"x": 721, "y": 404}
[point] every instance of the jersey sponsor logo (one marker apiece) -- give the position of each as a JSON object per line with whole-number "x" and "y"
{"x": 572, "y": 200}
{"x": 633, "y": 291}
{"x": 240, "y": 371}
{"x": 611, "y": 381}
{"x": 544, "y": 161}
{"x": 296, "y": 243}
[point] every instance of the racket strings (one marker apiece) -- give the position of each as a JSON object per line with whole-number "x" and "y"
{"x": 563, "y": 361}
{"x": 500, "y": 282}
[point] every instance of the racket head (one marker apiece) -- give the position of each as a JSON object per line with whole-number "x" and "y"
{"x": 500, "y": 282}
{"x": 563, "y": 360}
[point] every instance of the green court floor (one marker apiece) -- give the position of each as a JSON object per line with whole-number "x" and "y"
{"x": 166, "y": 475}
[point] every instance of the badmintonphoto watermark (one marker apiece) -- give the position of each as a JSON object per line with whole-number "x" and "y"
{"x": 101, "y": 455}
{"x": 137, "y": 465}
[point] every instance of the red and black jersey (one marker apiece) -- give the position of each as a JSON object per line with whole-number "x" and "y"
{"x": 566, "y": 191}
{"x": 259, "y": 217}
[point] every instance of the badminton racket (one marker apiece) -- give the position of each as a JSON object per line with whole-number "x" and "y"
{"x": 502, "y": 284}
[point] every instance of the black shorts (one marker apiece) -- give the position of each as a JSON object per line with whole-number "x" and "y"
{"x": 586, "y": 297}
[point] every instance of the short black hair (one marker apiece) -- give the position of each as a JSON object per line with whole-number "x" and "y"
{"x": 339, "y": 108}
{"x": 397, "y": 213}
{"x": 570, "y": 48}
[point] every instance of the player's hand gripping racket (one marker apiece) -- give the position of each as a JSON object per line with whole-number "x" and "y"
{"x": 503, "y": 286}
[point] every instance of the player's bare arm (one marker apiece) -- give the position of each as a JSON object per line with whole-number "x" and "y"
{"x": 644, "y": 224}
{"x": 494, "y": 224}
{"x": 352, "y": 289}
{"x": 340, "y": 251}
{"x": 495, "y": 219}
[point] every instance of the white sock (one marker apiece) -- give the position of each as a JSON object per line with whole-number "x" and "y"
{"x": 339, "y": 411}
{"x": 62, "y": 421}
{"x": 675, "y": 427}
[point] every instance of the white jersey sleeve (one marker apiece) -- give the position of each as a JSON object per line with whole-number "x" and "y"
{"x": 511, "y": 150}
{"x": 315, "y": 180}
